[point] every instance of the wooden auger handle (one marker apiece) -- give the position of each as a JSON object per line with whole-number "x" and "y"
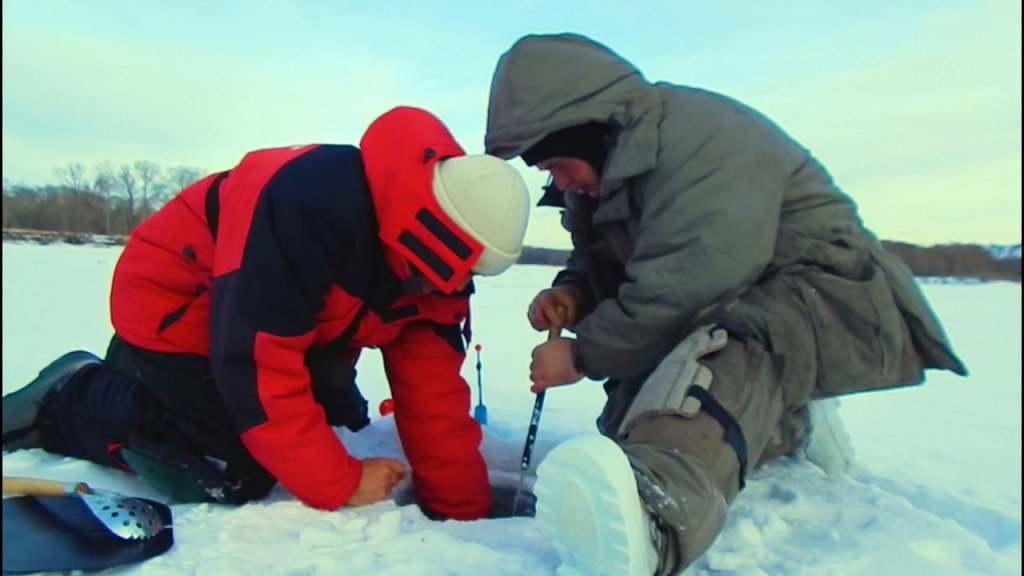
{"x": 40, "y": 487}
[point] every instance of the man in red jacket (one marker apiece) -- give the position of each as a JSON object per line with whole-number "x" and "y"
{"x": 241, "y": 306}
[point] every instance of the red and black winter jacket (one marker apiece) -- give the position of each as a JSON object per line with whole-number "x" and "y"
{"x": 255, "y": 265}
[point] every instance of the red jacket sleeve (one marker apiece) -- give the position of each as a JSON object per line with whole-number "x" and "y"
{"x": 295, "y": 443}
{"x": 432, "y": 414}
{"x": 288, "y": 222}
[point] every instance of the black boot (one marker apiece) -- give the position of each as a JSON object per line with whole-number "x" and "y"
{"x": 21, "y": 408}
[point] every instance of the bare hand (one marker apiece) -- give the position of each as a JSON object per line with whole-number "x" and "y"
{"x": 380, "y": 475}
{"x": 554, "y": 307}
{"x": 553, "y": 365}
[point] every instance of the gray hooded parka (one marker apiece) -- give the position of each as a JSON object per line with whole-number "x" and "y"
{"x": 708, "y": 212}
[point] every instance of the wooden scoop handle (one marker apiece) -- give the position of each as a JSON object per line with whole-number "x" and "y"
{"x": 555, "y": 330}
{"x": 40, "y": 487}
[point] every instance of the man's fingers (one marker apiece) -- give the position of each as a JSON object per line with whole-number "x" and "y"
{"x": 552, "y": 316}
{"x": 537, "y": 319}
{"x": 537, "y": 314}
{"x": 536, "y": 378}
{"x": 552, "y": 307}
{"x": 395, "y": 473}
{"x": 557, "y": 314}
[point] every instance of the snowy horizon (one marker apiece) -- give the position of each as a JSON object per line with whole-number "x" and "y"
{"x": 934, "y": 486}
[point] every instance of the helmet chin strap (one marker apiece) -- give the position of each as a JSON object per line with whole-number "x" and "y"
{"x": 416, "y": 284}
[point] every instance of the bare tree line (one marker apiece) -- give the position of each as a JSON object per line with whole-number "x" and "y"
{"x": 112, "y": 201}
{"x": 973, "y": 261}
{"x": 104, "y": 200}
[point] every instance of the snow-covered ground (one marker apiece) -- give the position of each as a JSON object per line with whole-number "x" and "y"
{"x": 935, "y": 487}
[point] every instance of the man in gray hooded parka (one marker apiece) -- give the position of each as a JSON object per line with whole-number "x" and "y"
{"x": 719, "y": 281}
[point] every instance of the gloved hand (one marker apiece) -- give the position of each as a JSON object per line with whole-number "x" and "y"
{"x": 554, "y": 307}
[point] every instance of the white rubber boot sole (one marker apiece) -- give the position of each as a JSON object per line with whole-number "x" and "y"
{"x": 587, "y": 497}
{"x": 829, "y": 445}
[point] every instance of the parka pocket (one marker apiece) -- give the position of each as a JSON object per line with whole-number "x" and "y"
{"x": 858, "y": 329}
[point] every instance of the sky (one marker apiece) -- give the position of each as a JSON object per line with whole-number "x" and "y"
{"x": 922, "y": 480}
{"x": 913, "y": 105}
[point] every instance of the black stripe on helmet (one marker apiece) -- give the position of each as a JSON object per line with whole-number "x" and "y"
{"x": 428, "y": 256}
{"x": 434, "y": 225}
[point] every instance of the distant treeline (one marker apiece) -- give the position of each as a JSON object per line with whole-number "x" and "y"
{"x": 106, "y": 205}
{"x": 968, "y": 261}
{"x": 972, "y": 261}
{"x": 105, "y": 200}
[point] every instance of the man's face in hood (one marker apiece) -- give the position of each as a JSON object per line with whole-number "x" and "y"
{"x": 572, "y": 174}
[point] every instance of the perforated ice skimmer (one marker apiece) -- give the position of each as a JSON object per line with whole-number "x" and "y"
{"x": 126, "y": 518}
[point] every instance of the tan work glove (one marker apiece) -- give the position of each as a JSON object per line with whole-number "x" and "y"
{"x": 554, "y": 307}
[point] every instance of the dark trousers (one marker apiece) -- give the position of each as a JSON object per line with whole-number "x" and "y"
{"x": 143, "y": 397}
{"x": 93, "y": 414}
